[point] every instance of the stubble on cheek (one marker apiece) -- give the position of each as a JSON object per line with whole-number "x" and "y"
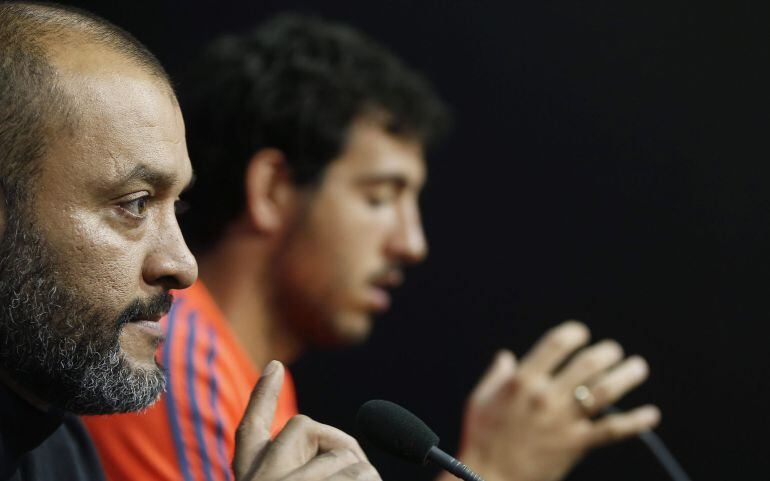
{"x": 99, "y": 263}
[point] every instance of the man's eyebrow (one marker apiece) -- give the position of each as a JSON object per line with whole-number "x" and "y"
{"x": 397, "y": 180}
{"x": 154, "y": 177}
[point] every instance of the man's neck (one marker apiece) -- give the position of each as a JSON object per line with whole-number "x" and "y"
{"x": 238, "y": 279}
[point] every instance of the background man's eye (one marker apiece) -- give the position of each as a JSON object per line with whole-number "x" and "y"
{"x": 380, "y": 197}
{"x": 375, "y": 201}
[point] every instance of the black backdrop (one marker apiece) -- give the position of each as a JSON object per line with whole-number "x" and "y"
{"x": 609, "y": 163}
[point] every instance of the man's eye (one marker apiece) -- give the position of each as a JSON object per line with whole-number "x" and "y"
{"x": 380, "y": 197}
{"x": 136, "y": 207}
{"x": 375, "y": 201}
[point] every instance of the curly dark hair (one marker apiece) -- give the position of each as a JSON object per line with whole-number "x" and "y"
{"x": 296, "y": 83}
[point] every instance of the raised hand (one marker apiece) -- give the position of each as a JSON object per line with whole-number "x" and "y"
{"x": 304, "y": 450}
{"x": 535, "y": 421}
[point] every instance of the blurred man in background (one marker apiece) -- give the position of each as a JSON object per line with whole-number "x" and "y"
{"x": 92, "y": 162}
{"x": 309, "y": 142}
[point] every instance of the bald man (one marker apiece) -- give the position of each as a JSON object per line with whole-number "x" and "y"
{"x": 92, "y": 162}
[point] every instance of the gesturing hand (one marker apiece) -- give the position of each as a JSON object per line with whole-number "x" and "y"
{"x": 529, "y": 423}
{"x": 304, "y": 450}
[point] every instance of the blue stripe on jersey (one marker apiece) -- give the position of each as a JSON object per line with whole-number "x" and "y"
{"x": 173, "y": 415}
{"x": 214, "y": 393}
{"x": 196, "y": 414}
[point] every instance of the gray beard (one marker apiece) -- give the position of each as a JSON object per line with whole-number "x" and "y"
{"x": 61, "y": 348}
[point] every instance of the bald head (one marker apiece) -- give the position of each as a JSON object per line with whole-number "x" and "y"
{"x": 43, "y": 48}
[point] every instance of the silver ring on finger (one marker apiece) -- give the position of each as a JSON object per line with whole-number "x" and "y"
{"x": 585, "y": 399}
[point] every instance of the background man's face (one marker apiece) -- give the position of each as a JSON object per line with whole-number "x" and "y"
{"x": 358, "y": 229}
{"x": 106, "y": 240}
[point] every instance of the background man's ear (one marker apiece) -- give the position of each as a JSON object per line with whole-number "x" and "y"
{"x": 269, "y": 191}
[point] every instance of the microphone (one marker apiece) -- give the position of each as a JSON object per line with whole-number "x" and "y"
{"x": 399, "y": 432}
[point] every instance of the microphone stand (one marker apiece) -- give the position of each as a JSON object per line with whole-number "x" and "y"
{"x": 452, "y": 465}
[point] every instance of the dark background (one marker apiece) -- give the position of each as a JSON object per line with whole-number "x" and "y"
{"x": 609, "y": 163}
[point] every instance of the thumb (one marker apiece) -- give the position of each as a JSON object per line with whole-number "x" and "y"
{"x": 253, "y": 434}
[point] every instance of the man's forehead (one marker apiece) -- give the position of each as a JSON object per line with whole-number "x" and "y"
{"x": 373, "y": 151}
{"x": 96, "y": 75}
{"x": 127, "y": 99}
{"x": 123, "y": 121}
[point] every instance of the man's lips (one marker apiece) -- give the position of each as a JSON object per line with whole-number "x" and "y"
{"x": 378, "y": 296}
{"x": 150, "y": 326}
{"x": 378, "y": 299}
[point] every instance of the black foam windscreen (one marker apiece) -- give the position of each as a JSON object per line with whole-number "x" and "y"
{"x": 395, "y": 430}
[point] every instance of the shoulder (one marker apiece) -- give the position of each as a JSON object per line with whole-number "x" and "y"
{"x": 68, "y": 454}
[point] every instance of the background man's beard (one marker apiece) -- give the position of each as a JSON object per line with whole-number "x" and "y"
{"x": 61, "y": 348}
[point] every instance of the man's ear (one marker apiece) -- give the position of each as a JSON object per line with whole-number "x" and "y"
{"x": 269, "y": 191}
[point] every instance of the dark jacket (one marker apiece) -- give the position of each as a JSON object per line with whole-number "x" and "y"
{"x": 37, "y": 445}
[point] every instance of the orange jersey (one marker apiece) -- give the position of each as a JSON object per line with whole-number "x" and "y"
{"x": 189, "y": 435}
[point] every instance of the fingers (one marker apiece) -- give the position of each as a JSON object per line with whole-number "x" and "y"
{"x": 360, "y": 471}
{"x": 303, "y": 439}
{"x": 553, "y": 349}
{"x": 501, "y": 371}
{"x": 253, "y": 433}
{"x": 335, "y": 464}
{"x": 304, "y": 450}
{"x": 614, "y": 427}
{"x": 620, "y": 380}
{"x": 587, "y": 364}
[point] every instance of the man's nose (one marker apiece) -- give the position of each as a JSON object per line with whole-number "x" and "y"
{"x": 170, "y": 264}
{"x": 408, "y": 242}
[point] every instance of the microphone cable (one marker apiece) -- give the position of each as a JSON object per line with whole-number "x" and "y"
{"x": 659, "y": 450}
